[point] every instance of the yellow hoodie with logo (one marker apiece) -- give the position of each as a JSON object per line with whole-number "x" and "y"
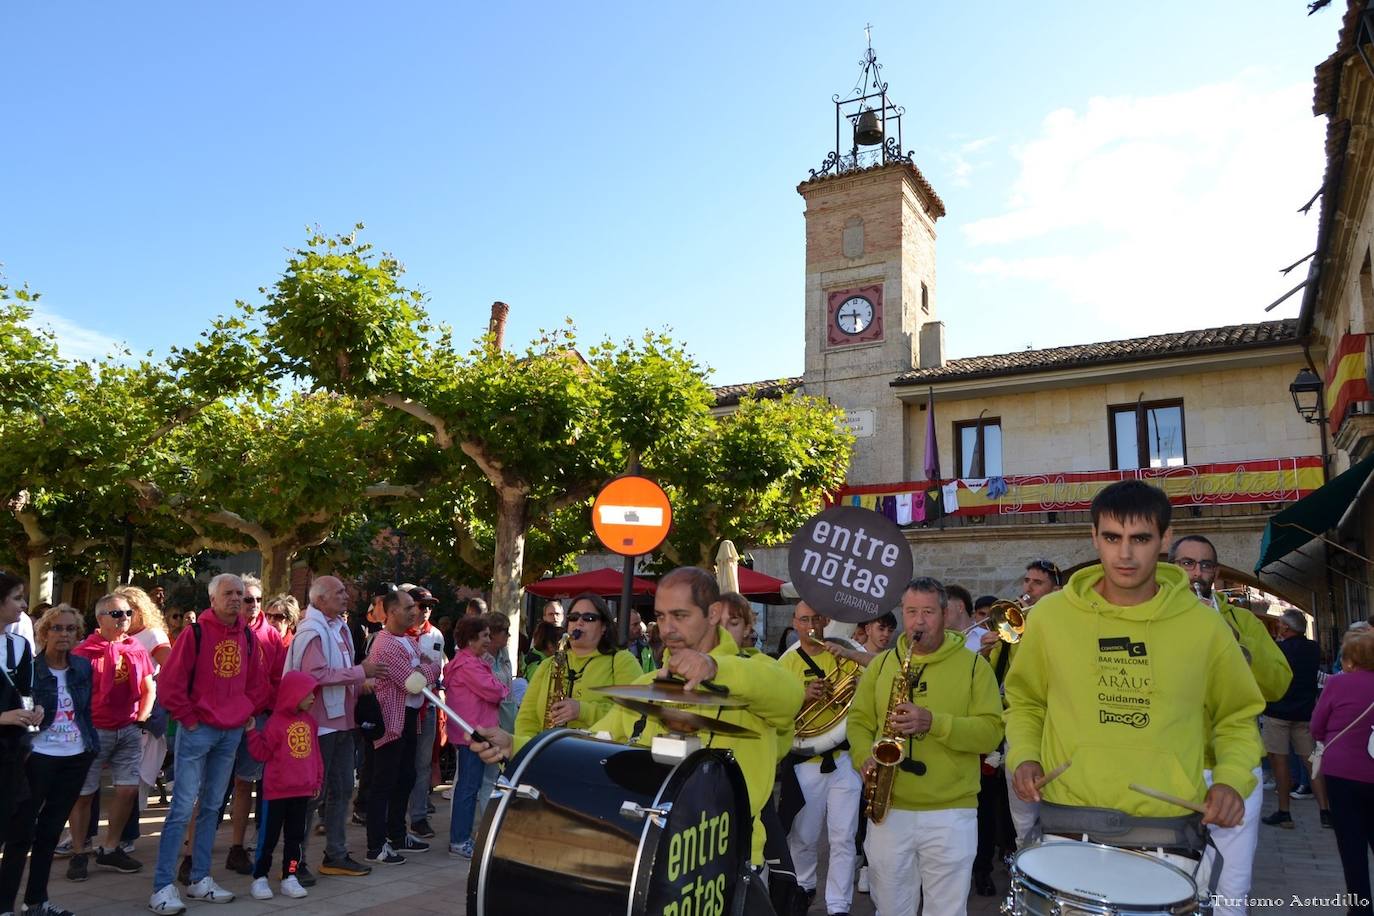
{"x": 958, "y": 688}
{"x": 1127, "y": 693}
{"x": 1268, "y": 664}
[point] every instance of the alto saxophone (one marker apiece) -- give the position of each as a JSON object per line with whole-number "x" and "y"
{"x": 558, "y": 679}
{"x": 888, "y": 751}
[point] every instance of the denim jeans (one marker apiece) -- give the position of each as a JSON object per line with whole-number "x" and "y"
{"x": 470, "y": 769}
{"x": 336, "y": 792}
{"x": 204, "y": 763}
{"x": 424, "y": 765}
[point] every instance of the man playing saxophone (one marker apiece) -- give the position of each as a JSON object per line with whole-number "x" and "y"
{"x": 923, "y": 836}
{"x": 829, "y": 785}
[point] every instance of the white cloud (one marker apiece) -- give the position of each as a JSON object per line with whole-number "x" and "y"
{"x": 75, "y": 341}
{"x": 962, "y": 161}
{"x": 1164, "y": 212}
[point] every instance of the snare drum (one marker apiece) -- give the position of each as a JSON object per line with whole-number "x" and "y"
{"x": 1067, "y": 878}
{"x": 588, "y": 827}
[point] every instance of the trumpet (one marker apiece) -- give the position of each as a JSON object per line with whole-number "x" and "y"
{"x": 1006, "y": 618}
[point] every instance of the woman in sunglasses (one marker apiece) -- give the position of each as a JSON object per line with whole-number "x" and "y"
{"x": 62, "y": 753}
{"x": 283, "y": 612}
{"x": 593, "y": 661}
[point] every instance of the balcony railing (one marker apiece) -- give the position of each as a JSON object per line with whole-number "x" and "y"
{"x": 1068, "y": 495}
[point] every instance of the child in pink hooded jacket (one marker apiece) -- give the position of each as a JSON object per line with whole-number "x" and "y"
{"x": 289, "y": 746}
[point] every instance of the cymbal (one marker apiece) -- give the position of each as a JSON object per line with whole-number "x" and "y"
{"x": 682, "y": 720}
{"x": 668, "y": 692}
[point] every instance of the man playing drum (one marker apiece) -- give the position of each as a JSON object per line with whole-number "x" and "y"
{"x": 946, "y": 714}
{"x": 1126, "y": 675}
{"x": 830, "y": 786}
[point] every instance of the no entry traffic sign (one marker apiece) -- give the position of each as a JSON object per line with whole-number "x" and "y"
{"x": 631, "y": 516}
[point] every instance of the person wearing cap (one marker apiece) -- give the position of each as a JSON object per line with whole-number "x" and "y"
{"x": 1287, "y": 720}
{"x": 593, "y": 661}
{"x": 431, "y": 643}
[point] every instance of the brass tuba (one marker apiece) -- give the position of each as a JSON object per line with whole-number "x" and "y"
{"x": 558, "y": 679}
{"x": 820, "y": 724}
{"x": 888, "y": 751}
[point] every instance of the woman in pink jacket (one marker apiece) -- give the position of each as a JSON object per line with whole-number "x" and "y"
{"x": 475, "y": 693}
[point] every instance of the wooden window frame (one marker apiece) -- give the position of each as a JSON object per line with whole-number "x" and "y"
{"x": 959, "y": 427}
{"x": 1141, "y": 438}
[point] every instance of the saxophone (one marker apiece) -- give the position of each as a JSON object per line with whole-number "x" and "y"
{"x": 888, "y": 751}
{"x": 558, "y": 679}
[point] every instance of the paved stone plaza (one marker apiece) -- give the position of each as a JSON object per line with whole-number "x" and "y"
{"x": 1301, "y": 861}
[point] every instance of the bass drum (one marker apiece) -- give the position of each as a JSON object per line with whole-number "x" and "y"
{"x": 591, "y": 828}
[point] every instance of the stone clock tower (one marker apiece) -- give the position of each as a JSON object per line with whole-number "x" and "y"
{"x": 870, "y": 276}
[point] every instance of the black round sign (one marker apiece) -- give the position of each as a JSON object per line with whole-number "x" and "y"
{"x": 850, "y": 564}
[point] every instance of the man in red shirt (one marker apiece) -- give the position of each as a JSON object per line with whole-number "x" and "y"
{"x": 122, "y": 694}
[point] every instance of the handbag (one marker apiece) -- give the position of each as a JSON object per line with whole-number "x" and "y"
{"x": 1316, "y": 757}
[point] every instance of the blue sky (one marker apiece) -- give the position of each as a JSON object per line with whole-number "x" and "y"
{"x": 1108, "y": 170}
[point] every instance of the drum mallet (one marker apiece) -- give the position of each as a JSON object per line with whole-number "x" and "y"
{"x": 417, "y": 684}
{"x": 1166, "y": 797}
{"x": 1052, "y": 775}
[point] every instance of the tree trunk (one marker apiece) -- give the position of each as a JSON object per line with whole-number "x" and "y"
{"x": 114, "y": 567}
{"x": 40, "y": 578}
{"x": 276, "y": 567}
{"x": 507, "y": 594}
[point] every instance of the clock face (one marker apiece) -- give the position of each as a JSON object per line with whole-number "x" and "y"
{"x": 854, "y": 316}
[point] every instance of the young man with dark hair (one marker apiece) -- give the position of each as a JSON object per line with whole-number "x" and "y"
{"x": 1196, "y": 556}
{"x": 1126, "y": 675}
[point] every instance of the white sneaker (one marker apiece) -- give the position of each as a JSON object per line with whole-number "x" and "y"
{"x": 292, "y": 888}
{"x": 208, "y": 891}
{"x": 261, "y": 889}
{"x": 861, "y": 885}
{"x": 167, "y": 901}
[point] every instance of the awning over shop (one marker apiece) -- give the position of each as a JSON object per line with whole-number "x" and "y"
{"x": 1308, "y": 518}
{"x": 603, "y": 582}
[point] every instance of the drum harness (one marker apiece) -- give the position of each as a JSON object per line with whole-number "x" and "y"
{"x": 1109, "y": 827}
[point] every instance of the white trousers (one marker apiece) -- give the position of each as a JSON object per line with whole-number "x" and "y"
{"x": 915, "y": 851}
{"x": 1024, "y": 814}
{"x": 1237, "y": 845}
{"x": 832, "y": 802}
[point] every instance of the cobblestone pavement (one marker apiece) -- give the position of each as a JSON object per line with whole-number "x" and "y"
{"x": 1301, "y": 862}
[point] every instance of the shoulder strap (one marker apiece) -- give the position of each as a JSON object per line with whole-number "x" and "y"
{"x": 1351, "y": 725}
{"x": 1003, "y": 660}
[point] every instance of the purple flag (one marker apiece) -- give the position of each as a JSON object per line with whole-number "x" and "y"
{"x": 932, "y": 467}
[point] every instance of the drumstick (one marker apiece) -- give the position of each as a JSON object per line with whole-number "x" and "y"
{"x": 1052, "y": 775}
{"x": 1166, "y": 797}
{"x": 462, "y": 723}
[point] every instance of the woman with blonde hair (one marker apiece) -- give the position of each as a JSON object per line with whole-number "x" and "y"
{"x": 283, "y": 612}
{"x": 56, "y": 767}
{"x": 150, "y": 630}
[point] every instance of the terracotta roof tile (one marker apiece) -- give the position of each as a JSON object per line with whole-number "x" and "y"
{"x": 937, "y": 205}
{"x": 730, "y": 395}
{"x": 1136, "y": 349}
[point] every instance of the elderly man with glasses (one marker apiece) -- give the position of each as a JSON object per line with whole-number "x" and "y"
{"x": 122, "y": 695}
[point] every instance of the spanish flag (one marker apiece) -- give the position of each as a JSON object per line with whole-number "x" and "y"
{"x": 1346, "y": 379}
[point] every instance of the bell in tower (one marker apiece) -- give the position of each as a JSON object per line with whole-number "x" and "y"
{"x": 874, "y": 122}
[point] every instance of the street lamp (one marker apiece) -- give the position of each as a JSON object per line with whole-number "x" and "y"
{"x": 1311, "y": 404}
{"x": 1307, "y": 395}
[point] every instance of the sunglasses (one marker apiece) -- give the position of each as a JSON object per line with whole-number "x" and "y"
{"x": 250, "y": 599}
{"x": 584, "y": 618}
{"x": 1190, "y": 564}
{"x": 64, "y": 628}
{"x": 1046, "y": 567}
{"x": 117, "y": 615}
{"x": 277, "y": 616}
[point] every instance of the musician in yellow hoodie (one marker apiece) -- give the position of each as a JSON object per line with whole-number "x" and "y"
{"x": 1197, "y": 556}
{"x": 949, "y": 713}
{"x": 1126, "y": 674}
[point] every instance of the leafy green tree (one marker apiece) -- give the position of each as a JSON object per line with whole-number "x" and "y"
{"x": 753, "y": 475}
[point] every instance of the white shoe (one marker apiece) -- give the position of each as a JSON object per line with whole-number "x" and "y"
{"x": 167, "y": 901}
{"x": 208, "y": 891}
{"x": 861, "y": 885}
{"x": 292, "y": 888}
{"x": 446, "y": 795}
{"x": 261, "y": 889}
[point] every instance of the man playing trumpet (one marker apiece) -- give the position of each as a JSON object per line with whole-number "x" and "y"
{"x": 830, "y": 786}
{"x": 922, "y": 838}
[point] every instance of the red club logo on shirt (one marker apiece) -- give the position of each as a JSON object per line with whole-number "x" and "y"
{"x": 298, "y": 739}
{"x": 228, "y": 661}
